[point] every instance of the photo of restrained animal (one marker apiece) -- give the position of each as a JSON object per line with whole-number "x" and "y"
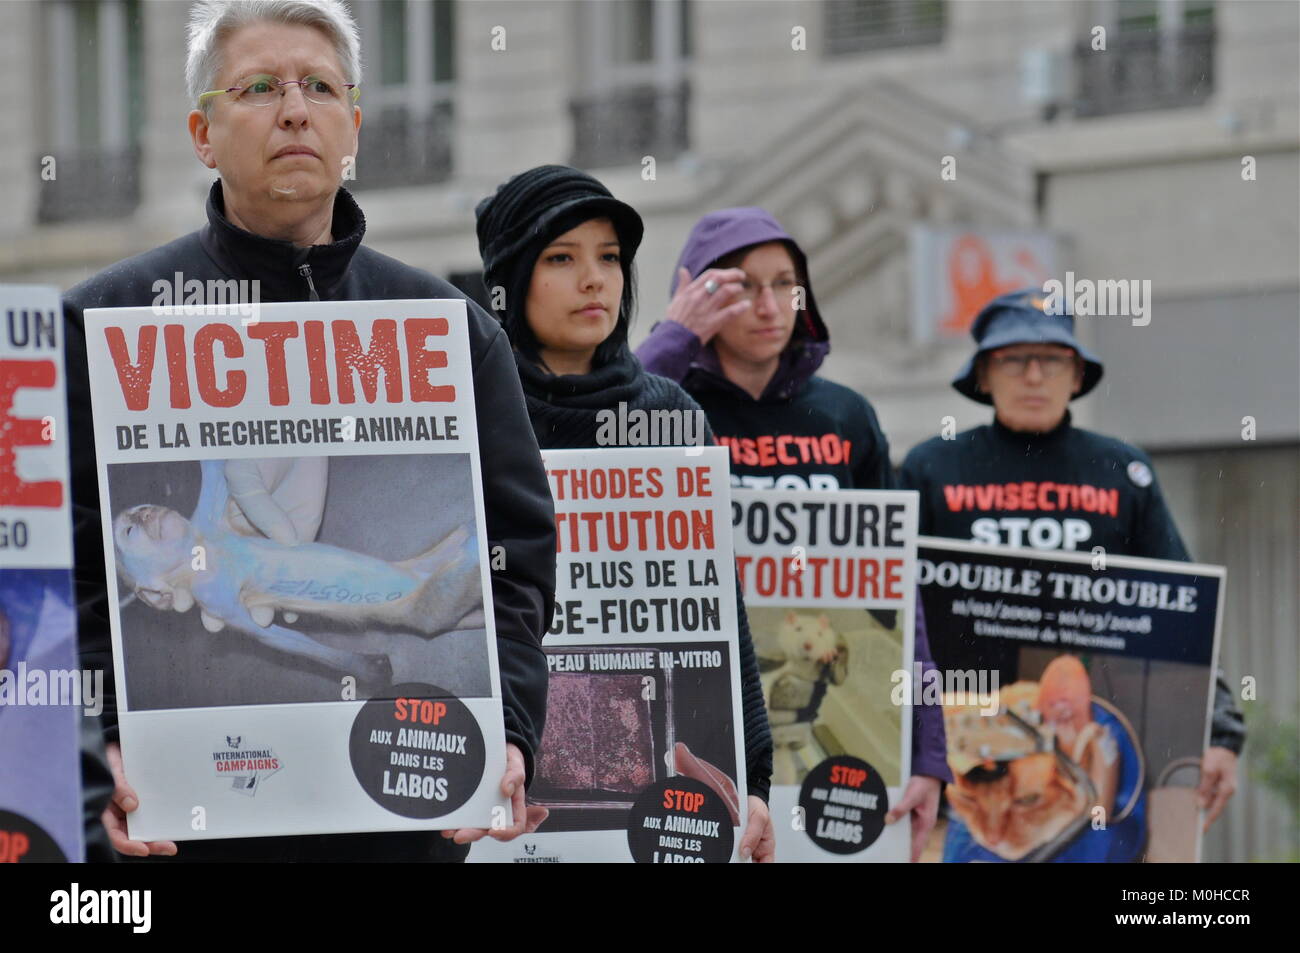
{"x": 240, "y": 580}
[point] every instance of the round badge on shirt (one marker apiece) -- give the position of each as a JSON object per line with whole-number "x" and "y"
{"x": 1140, "y": 473}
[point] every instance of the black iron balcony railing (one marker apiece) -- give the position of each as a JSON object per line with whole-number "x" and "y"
{"x": 622, "y": 126}
{"x": 1151, "y": 69}
{"x": 397, "y": 150}
{"x": 860, "y": 26}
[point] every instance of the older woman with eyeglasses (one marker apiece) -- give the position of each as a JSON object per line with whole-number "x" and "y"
{"x": 274, "y": 85}
{"x": 279, "y": 141}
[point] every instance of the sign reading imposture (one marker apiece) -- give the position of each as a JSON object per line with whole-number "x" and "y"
{"x": 828, "y": 583}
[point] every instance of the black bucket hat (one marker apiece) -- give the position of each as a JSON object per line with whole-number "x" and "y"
{"x": 1022, "y": 317}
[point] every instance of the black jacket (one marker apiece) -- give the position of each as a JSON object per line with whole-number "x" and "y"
{"x": 563, "y": 412}
{"x": 519, "y": 513}
{"x": 1066, "y": 489}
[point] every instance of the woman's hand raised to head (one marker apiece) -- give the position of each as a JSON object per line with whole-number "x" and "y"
{"x": 704, "y": 313}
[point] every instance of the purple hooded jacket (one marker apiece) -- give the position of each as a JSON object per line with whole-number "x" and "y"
{"x": 675, "y": 352}
{"x": 672, "y": 351}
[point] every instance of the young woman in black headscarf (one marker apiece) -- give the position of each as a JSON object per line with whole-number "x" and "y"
{"x": 557, "y": 252}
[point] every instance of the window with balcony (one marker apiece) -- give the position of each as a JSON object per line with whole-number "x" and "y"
{"x": 860, "y": 26}
{"x": 409, "y": 47}
{"x": 1159, "y": 55}
{"x": 635, "y": 94}
{"x": 94, "y": 110}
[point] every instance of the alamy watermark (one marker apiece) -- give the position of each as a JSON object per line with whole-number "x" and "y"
{"x": 131, "y": 908}
{"x": 959, "y": 687}
{"x": 57, "y": 686}
{"x": 622, "y": 427}
{"x": 1122, "y": 297}
{"x": 216, "y": 297}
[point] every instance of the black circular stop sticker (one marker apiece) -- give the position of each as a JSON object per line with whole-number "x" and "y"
{"x": 680, "y": 821}
{"x": 844, "y": 803}
{"x": 419, "y": 754}
{"x": 23, "y": 842}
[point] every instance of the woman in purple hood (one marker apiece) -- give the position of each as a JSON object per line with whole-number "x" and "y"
{"x": 744, "y": 337}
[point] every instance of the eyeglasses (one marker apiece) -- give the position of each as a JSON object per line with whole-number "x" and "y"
{"x": 1051, "y": 365}
{"x": 782, "y": 289}
{"x": 264, "y": 89}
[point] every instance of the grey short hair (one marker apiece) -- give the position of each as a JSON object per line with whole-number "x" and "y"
{"x": 211, "y": 21}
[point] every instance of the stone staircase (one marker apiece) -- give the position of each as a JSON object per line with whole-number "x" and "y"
{"x": 860, "y": 168}
{"x": 864, "y": 164}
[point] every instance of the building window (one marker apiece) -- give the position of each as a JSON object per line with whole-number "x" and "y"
{"x": 1159, "y": 55}
{"x": 407, "y": 95}
{"x": 635, "y": 97}
{"x": 94, "y": 110}
{"x": 859, "y": 26}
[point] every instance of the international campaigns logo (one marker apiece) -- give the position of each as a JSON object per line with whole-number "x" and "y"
{"x": 245, "y": 767}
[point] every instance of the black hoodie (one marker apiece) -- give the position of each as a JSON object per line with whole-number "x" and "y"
{"x": 803, "y": 432}
{"x": 519, "y": 513}
{"x": 1068, "y": 489}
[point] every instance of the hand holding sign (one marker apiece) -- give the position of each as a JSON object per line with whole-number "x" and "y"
{"x": 526, "y": 818}
{"x": 921, "y": 800}
{"x": 1218, "y": 782}
{"x": 124, "y": 801}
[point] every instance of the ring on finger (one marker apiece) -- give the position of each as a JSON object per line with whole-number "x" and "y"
{"x": 710, "y": 286}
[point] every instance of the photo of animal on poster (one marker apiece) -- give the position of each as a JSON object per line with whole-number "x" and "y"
{"x": 1057, "y": 770}
{"x": 1090, "y": 750}
{"x": 826, "y": 681}
{"x": 275, "y": 580}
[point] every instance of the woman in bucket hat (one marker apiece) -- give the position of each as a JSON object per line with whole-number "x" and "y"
{"x": 1028, "y": 365}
